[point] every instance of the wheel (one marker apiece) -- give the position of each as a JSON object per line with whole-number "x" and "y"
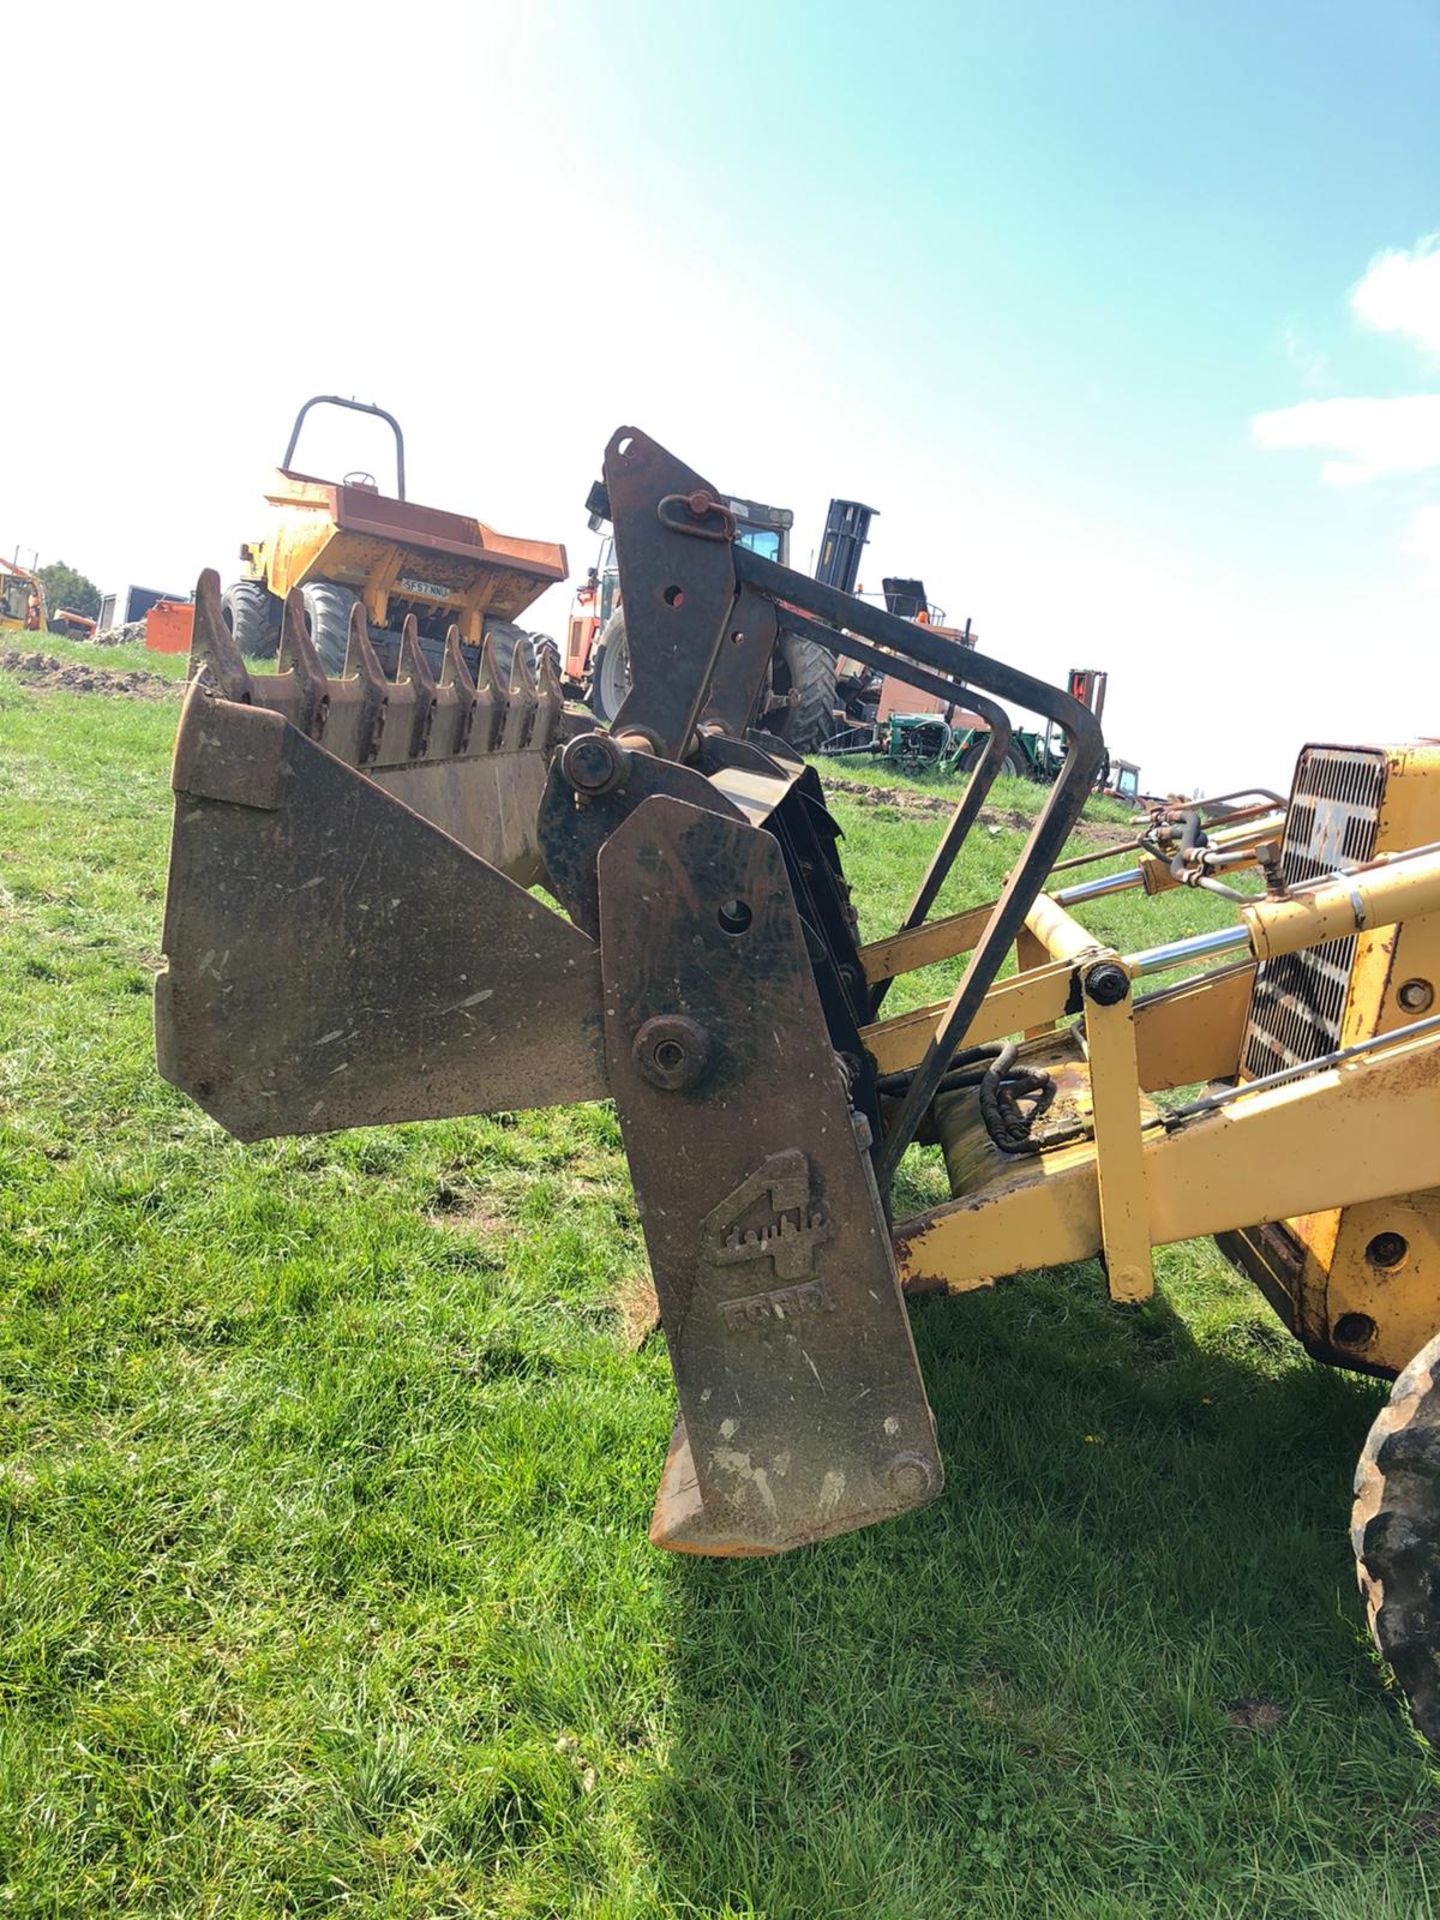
{"x": 1395, "y": 1531}
{"x": 543, "y": 648}
{"x": 505, "y": 637}
{"x": 252, "y": 613}
{"x": 327, "y": 615}
{"x": 1012, "y": 764}
{"x": 805, "y": 668}
{"x": 799, "y": 665}
{"x": 610, "y": 669}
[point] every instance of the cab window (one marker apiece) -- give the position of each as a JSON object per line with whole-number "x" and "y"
{"x": 762, "y": 540}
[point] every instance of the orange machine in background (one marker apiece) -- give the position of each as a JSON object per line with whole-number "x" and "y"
{"x": 168, "y": 625}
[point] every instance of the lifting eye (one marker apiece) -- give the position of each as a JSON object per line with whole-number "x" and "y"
{"x": 734, "y": 917}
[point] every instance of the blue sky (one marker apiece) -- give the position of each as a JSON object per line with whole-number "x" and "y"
{"x": 1022, "y": 277}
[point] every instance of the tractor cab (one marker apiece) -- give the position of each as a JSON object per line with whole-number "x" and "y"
{"x": 764, "y": 530}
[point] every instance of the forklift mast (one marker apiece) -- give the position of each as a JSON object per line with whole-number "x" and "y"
{"x": 847, "y": 528}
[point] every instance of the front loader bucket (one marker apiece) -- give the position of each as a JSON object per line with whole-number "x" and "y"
{"x": 345, "y": 942}
{"x": 349, "y": 941}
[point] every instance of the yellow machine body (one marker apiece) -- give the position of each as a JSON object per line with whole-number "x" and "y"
{"x": 400, "y": 559}
{"x": 1324, "y": 1187}
{"x": 1360, "y": 1284}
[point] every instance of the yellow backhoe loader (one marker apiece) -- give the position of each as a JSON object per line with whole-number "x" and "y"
{"x": 349, "y": 942}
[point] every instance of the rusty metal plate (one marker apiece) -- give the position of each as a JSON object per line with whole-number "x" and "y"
{"x": 673, "y": 546}
{"x": 333, "y": 960}
{"x": 489, "y": 805}
{"x": 804, "y": 1411}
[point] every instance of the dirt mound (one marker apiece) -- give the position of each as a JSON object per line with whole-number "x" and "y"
{"x": 71, "y": 676}
{"x": 906, "y": 800}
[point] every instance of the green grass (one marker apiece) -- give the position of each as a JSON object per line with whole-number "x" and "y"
{"x": 324, "y": 1476}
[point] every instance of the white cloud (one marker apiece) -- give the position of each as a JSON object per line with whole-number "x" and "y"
{"x": 1373, "y": 437}
{"x": 1400, "y": 293}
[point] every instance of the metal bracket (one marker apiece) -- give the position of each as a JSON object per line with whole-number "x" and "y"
{"x": 1119, "y": 1144}
{"x": 803, "y": 1413}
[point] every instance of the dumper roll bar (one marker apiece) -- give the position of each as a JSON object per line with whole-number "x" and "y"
{"x": 352, "y": 406}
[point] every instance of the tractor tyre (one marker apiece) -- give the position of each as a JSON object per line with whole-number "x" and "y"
{"x": 327, "y": 615}
{"x": 252, "y": 613}
{"x": 800, "y": 666}
{"x": 610, "y": 669}
{"x": 804, "y": 668}
{"x": 1395, "y": 1531}
{"x": 1013, "y": 765}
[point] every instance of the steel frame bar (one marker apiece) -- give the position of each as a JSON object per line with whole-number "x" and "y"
{"x": 977, "y": 788}
{"x": 1085, "y": 749}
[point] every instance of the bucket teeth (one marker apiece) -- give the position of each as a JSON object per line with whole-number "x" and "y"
{"x": 519, "y": 703}
{"x": 362, "y": 663}
{"x": 212, "y": 645}
{"x": 298, "y": 657}
{"x": 415, "y": 669}
{"x": 455, "y": 682}
{"x": 453, "y": 670}
{"x": 489, "y": 699}
{"x": 373, "y": 723}
{"x": 549, "y": 704}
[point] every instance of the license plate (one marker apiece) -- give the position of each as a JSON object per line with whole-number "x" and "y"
{"x": 426, "y": 587}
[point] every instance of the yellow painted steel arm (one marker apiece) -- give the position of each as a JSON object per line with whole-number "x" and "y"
{"x": 1360, "y": 1131}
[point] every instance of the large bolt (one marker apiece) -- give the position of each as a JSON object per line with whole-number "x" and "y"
{"x": 593, "y": 764}
{"x": 1416, "y": 996}
{"x": 1107, "y": 984}
{"x": 1387, "y": 1250}
{"x": 910, "y": 1478}
{"x": 672, "y": 1051}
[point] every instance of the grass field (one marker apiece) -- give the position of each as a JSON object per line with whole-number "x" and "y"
{"x": 324, "y": 1478}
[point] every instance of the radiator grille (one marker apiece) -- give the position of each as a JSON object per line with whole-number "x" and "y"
{"x": 1299, "y": 1000}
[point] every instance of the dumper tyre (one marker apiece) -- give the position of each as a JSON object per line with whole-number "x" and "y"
{"x": 1395, "y": 1531}
{"x": 252, "y": 613}
{"x": 805, "y": 674}
{"x": 505, "y": 637}
{"x": 543, "y": 648}
{"x": 327, "y": 614}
